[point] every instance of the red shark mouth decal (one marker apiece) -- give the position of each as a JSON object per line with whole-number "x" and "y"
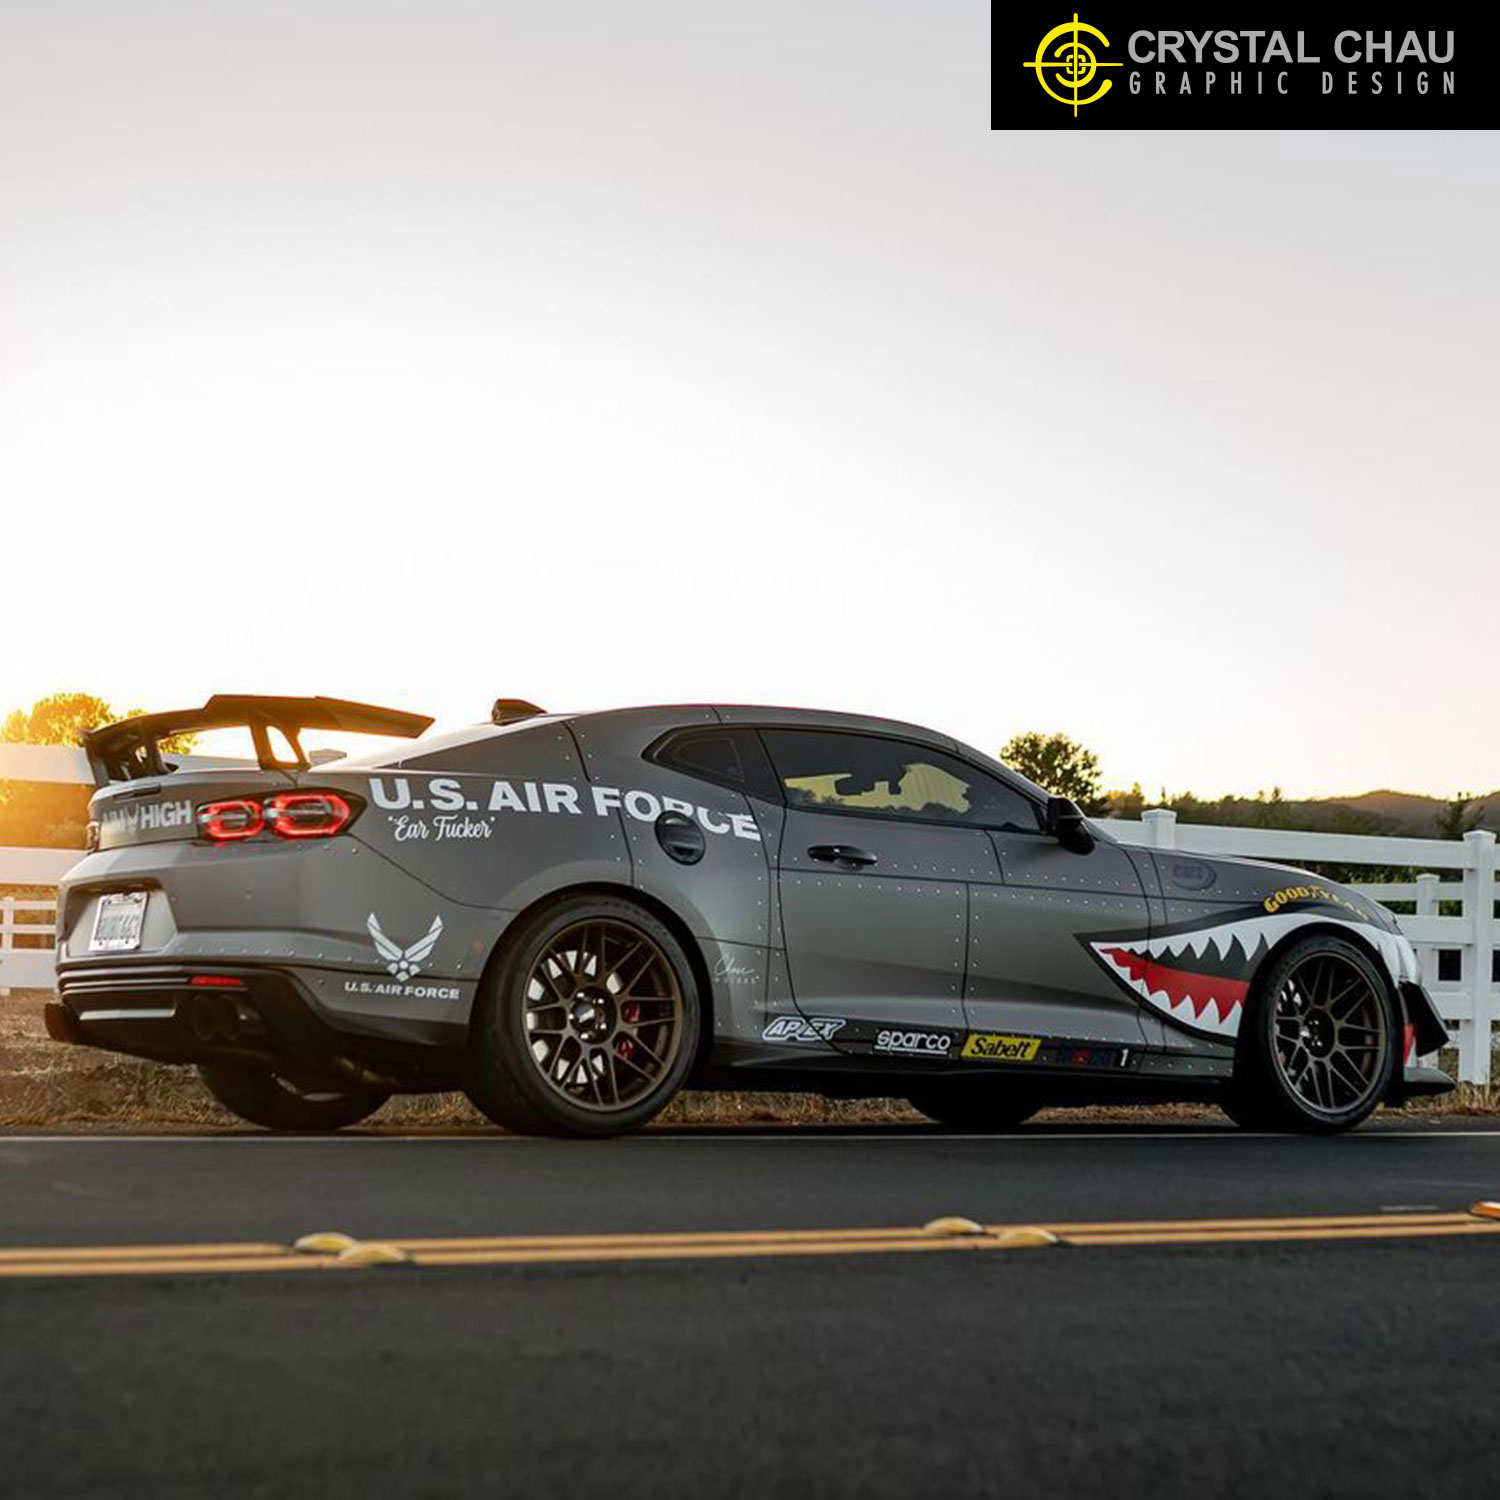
{"x": 1182, "y": 987}
{"x": 1199, "y": 976}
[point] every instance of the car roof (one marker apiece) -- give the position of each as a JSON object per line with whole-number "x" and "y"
{"x": 768, "y": 713}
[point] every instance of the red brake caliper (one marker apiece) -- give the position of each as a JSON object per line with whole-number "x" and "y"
{"x": 630, "y": 1014}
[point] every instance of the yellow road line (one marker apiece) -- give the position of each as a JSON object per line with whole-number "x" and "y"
{"x": 250, "y": 1257}
{"x": 141, "y": 1252}
{"x": 694, "y": 1238}
{"x": 1246, "y": 1236}
{"x": 169, "y": 1266}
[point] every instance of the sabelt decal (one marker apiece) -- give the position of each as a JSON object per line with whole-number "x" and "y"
{"x": 443, "y": 808}
{"x": 1198, "y": 974}
{"x": 991, "y": 1046}
{"x": 806, "y": 1031}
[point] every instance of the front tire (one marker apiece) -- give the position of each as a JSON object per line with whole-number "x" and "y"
{"x": 963, "y": 1107}
{"x": 588, "y": 1023}
{"x": 263, "y": 1097}
{"x": 1319, "y": 1042}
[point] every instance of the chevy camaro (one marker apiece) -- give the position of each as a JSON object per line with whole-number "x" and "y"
{"x": 573, "y": 916}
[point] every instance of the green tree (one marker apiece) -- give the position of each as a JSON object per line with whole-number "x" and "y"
{"x": 64, "y": 718}
{"x": 51, "y": 814}
{"x": 1455, "y": 820}
{"x": 1060, "y": 765}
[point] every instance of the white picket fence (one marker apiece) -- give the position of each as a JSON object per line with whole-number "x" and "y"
{"x": 1459, "y": 874}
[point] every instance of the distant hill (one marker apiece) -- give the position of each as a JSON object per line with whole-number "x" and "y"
{"x": 1409, "y": 813}
{"x": 1405, "y": 814}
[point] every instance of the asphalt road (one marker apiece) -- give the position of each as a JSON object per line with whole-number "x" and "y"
{"x": 1365, "y": 1367}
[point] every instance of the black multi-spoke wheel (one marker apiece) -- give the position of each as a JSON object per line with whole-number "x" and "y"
{"x": 588, "y": 1024}
{"x": 1318, "y": 1045}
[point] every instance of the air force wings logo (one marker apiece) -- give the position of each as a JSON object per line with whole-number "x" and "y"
{"x": 404, "y": 962}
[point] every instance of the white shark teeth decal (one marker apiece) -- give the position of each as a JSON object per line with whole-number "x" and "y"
{"x": 1215, "y": 1008}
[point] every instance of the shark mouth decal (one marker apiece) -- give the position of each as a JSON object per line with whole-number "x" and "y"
{"x": 1198, "y": 976}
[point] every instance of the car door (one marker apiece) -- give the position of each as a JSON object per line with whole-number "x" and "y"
{"x": 873, "y": 868}
{"x": 1033, "y": 968}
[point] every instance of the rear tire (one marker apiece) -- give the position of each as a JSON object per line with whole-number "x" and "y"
{"x": 263, "y": 1097}
{"x": 588, "y": 1023}
{"x": 1319, "y": 1041}
{"x": 960, "y": 1108}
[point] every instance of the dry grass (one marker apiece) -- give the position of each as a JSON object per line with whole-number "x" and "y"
{"x": 46, "y": 1085}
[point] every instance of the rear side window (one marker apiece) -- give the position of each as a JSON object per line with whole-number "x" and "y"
{"x": 825, "y": 771}
{"x": 729, "y": 757}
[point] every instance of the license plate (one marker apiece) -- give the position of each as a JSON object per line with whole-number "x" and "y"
{"x": 117, "y": 923}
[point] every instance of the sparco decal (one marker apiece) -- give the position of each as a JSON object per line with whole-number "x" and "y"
{"x": 913, "y": 1043}
{"x": 470, "y": 811}
{"x": 796, "y": 1029}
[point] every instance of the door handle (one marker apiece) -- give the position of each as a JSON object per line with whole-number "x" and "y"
{"x": 842, "y": 854}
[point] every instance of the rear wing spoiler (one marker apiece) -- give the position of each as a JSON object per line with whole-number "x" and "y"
{"x": 131, "y": 749}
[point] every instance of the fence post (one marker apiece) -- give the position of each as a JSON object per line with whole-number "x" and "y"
{"x": 1161, "y": 827}
{"x": 7, "y": 930}
{"x": 1479, "y": 956}
{"x": 1427, "y": 953}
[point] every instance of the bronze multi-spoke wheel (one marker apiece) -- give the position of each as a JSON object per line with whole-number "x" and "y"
{"x": 1318, "y": 1047}
{"x": 604, "y": 1014}
{"x": 1330, "y": 1032}
{"x": 588, "y": 1024}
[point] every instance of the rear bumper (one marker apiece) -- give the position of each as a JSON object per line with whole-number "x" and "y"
{"x": 178, "y": 1014}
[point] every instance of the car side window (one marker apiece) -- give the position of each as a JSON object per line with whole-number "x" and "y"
{"x": 729, "y": 757}
{"x": 830, "y": 771}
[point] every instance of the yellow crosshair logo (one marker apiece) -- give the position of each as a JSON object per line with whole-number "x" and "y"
{"x": 1074, "y": 61}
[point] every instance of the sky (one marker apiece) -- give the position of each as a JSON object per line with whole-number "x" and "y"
{"x": 603, "y": 352}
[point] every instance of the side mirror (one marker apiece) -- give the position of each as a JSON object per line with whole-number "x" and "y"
{"x": 1067, "y": 824}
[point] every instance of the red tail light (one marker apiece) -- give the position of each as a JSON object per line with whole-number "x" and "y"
{"x": 308, "y": 815}
{"x": 225, "y": 822}
{"x": 291, "y": 815}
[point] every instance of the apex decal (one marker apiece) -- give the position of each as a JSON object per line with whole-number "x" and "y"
{"x": 807, "y": 1032}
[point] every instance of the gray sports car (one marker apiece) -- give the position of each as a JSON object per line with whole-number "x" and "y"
{"x": 572, "y": 916}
